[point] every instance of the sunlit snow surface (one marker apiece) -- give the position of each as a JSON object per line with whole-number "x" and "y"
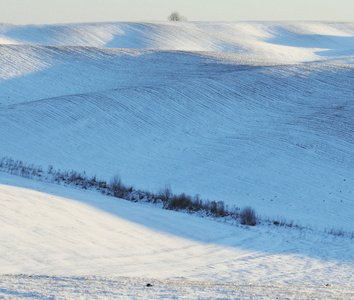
{"x": 251, "y": 113}
{"x": 58, "y": 231}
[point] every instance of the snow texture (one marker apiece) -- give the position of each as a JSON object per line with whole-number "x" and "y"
{"x": 251, "y": 113}
{"x": 55, "y": 230}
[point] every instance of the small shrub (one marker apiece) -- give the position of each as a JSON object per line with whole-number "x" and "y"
{"x": 165, "y": 194}
{"x": 197, "y": 203}
{"x": 213, "y": 207}
{"x": 118, "y": 189}
{"x": 221, "y": 212}
{"x": 181, "y": 201}
{"x": 337, "y": 232}
{"x": 50, "y": 169}
{"x": 248, "y": 216}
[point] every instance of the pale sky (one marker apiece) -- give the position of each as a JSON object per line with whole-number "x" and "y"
{"x": 77, "y": 11}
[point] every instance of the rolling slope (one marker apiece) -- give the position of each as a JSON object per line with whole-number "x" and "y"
{"x": 249, "y": 113}
{"x": 59, "y": 231}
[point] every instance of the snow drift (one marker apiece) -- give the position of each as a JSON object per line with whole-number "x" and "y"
{"x": 250, "y": 113}
{"x": 56, "y": 230}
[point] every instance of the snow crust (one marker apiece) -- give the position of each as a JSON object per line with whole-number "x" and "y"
{"x": 251, "y": 113}
{"x": 55, "y": 230}
{"x": 113, "y": 287}
{"x": 231, "y": 125}
{"x": 275, "y": 41}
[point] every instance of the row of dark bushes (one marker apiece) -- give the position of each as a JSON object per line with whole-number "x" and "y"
{"x": 170, "y": 201}
{"x": 189, "y": 203}
{"x": 176, "y": 202}
{"x": 117, "y": 188}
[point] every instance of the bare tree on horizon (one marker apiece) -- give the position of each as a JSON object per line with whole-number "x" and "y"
{"x": 175, "y": 16}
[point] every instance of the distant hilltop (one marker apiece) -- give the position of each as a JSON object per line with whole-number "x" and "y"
{"x": 279, "y": 41}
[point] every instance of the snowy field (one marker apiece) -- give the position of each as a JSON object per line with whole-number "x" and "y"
{"x": 83, "y": 241}
{"x": 93, "y": 287}
{"x": 250, "y": 113}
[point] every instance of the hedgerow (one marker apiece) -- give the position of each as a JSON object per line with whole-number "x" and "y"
{"x": 116, "y": 188}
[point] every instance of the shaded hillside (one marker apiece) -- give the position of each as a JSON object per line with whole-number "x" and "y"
{"x": 261, "y": 116}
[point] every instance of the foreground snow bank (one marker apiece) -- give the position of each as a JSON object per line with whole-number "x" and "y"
{"x": 94, "y": 287}
{"x": 55, "y": 230}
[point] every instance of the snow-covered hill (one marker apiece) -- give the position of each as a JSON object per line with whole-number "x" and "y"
{"x": 251, "y": 113}
{"x": 278, "y": 41}
{"x": 237, "y": 125}
{"x": 56, "y": 230}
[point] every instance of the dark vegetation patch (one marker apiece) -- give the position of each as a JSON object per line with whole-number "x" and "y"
{"x": 118, "y": 189}
{"x": 165, "y": 197}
